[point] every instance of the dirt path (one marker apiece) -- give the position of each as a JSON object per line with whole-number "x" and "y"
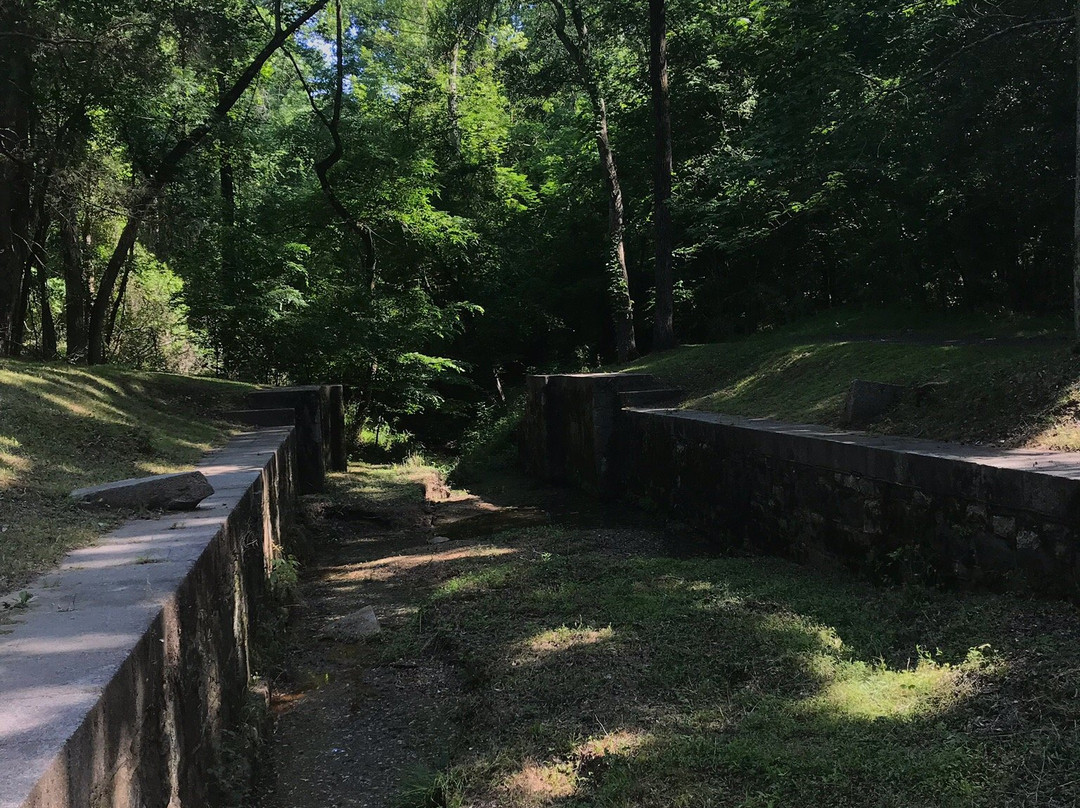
{"x": 355, "y": 726}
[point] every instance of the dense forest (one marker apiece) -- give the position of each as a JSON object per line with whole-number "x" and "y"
{"x": 425, "y": 199}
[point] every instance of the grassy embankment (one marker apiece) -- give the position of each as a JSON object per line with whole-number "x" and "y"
{"x": 1007, "y": 382}
{"x": 63, "y": 428}
{"x": 597, "y": 671}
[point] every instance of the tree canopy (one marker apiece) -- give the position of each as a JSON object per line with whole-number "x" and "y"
{"x": 413, "y": 197}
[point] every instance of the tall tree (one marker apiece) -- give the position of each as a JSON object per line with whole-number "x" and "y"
{"x": 38, "y": 263}
{"x": 75, "y": 291}
{"x": 16, "y": 172}
{"x": 167, "y": 169}
{"x": 663, "y": 321}
{"x": 1076, "y": 191}
{"x": 579, "y": 51}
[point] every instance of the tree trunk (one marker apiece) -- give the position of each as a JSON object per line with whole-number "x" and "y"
{"x": 165, "y": 172}
{"x": 452, "y": 111}
{"x": 48, "y": 322}
{"x": 119, "y": 302}
{"x": 15, "y": 167}
{"x": 1076, "y": 194}
{"x": 227, "y": 269}
{"x": 618, "y": 290}
{"x": 18, "y": 317}
{"x": 75, "y": 297}
{"x": 39, "y": 265}
{"x": 663, "y": 322}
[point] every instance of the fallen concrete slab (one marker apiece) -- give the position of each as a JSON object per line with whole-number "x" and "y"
{"x": 283, "y": 416}
{"x": 867, "y": 401}
{"x": 170, "y": 492}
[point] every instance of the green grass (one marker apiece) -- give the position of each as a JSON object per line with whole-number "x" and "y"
{"x": 490, "y": 447}
{"x": 1005, "y": 391}
{"x": 63, "y": 428}
{"x": 593, "y": 676}
{"x": 384, "y": 487}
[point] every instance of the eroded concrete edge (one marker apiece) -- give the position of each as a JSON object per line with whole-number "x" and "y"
{"x": 119, "y": 681}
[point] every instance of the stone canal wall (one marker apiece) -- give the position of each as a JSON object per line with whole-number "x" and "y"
{"x": 122, "y": 679}
{"x": 949, "y": 514}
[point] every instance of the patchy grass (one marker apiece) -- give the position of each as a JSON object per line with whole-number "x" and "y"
{"x": 491, "y": 445}
{"x": 1007, "y": 382}
{"x": 384, "y": 488}
{"x": 602, "y": 677}
{"x": 63, "y": 428}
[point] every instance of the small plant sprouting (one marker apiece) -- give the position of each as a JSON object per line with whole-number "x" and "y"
{"x": 20, "y": 602}
{"x": 285, "y": 577}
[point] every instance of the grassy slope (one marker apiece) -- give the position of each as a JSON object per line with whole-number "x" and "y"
{"x": 596, "y": 671}
{"x": 1014, "y": 383}
{"x": 63, "y": 428}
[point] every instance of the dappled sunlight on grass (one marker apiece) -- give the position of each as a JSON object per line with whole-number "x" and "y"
{"x": 148, "y": 467}
{"x": 385, "y": 569}
{"x": 620, "y": 742}
{"x": 739, "y": 682}
{"x": 13, "y": 464}
{"x": 596, "y": 676}
{"x": 385, "y": 485}
{"x": 872, "y": 691}
{"x": 557, "y": 781}
{"x": 474, "y": 581}
{"x": 77, "y": 399}
{"x": 809, "y": 382}
{"x": 541, "y": 784}
{"x": 552, "y": 641}
{"x": 1007, "y": 392}
{"x": 63, "y": 428}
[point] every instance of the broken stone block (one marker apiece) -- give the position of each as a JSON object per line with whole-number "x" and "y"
{"x": 261, "y": 418}
{"x": 354, "y": 626}
{"x": 869, "y": 400}
{"x": 660, "y": 398}
{"x": 171, "y": 492}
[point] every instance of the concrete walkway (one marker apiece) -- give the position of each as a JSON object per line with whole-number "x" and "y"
{"x": 1056, "y": 464}
{"x": 86, "y": 618}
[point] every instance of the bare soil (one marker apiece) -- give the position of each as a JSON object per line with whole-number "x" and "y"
{"x": 522, "y": 664}
{"x": 354, "y": 725}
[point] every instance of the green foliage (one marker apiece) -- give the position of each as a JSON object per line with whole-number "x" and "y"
{"x": 285, "y": 578}
{"x": 489, "y": 448}
{"x": 381, "y": 444}
{"x": 423, "y": 788}
{"x": 152, "y": 328}
{"x": 826, "y": 153}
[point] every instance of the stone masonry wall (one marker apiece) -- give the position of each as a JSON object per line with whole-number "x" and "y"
{"x": 119, "y": 683}
{"x": 569, "y": 426}
{"x": 948, "y": 514}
